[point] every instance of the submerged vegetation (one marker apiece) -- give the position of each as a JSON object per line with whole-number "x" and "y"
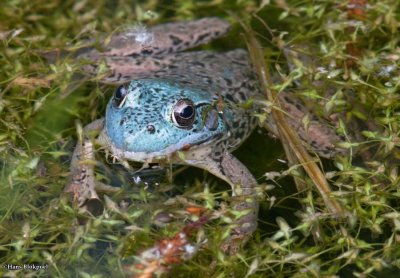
{"x": 349, "y": 73}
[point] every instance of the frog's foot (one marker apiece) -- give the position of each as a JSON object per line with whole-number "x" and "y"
{"x": 234, "y": 243}
{"x": 244, "y": 200}
{"x": 83, "y": 183}
{"x": 245, "y": 210}
{"x": 83, "y": 189}
{"x": 245, "y": 224}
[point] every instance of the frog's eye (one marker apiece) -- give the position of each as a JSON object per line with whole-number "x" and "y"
{"x": 119, "y": 96}
{"x": 183, "y": 114}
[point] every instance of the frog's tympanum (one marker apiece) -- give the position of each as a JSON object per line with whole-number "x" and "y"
{"x": 177, "y": 107}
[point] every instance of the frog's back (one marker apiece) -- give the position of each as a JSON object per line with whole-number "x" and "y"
{"x": 226, "y": 70}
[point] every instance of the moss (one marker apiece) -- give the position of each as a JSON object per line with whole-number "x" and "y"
{"x": 356, "y": 64}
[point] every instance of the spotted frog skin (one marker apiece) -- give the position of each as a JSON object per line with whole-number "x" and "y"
{"x": 177, "y": 107}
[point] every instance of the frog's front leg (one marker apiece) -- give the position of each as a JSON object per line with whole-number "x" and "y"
{"x": 227, "y": 167}
{"x": 82, "y": 181}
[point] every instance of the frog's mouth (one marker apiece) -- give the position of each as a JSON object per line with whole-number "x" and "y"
{"x": 176, "y": 150}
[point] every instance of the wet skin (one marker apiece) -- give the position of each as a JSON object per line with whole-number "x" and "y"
{"x": 183, "y": 108}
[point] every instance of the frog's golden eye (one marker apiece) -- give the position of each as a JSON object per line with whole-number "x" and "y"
{"x": 120, "y": 96}
{"x": 183, "y": 113}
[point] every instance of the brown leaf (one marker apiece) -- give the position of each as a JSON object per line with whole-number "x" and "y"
{"x": 31, "y": 82}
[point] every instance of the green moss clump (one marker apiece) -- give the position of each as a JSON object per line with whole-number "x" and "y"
{"x": 353, "y": 75}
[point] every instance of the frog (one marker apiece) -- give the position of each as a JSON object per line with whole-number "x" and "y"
{"x": 181, "y": 107}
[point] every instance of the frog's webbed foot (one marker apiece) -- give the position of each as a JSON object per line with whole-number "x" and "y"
{"x": 82, "y": 182}
{"x": 244, "y": 200}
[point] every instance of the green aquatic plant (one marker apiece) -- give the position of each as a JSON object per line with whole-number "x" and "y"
{"x": 352, "y": 76}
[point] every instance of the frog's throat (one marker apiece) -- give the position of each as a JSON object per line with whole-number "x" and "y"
{"x": 171, "y": 152}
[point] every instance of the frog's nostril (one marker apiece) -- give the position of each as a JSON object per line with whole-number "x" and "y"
{"x": 151, "y": 129}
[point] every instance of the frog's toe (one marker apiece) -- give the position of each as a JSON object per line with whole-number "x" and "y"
{"x": 234, "y": 243}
